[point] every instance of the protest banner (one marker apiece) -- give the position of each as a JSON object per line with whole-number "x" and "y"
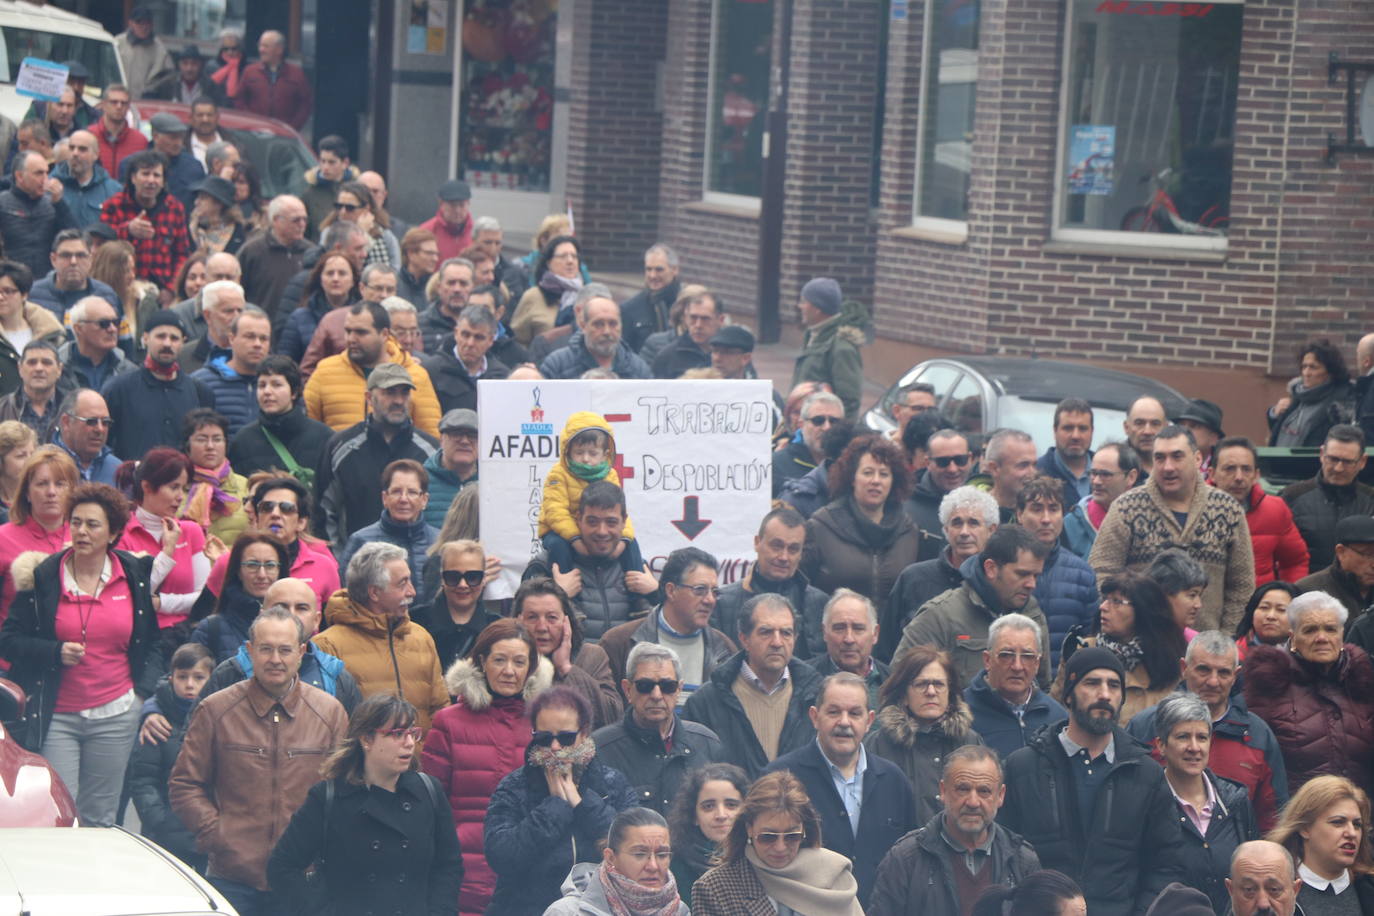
{"x": 41, "y": 79}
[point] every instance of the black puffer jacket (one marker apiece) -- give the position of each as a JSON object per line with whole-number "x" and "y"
{"x": 655, "y": 772}
{"x": 1133, "y": 847}
{"x": 303, "y": 438}
{"x": 604, "y": 601}
{"x": 1317, "y": 507}
{"x": 807, "y": 601}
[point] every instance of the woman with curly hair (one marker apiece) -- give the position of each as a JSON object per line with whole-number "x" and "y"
{"x": 1320, "y": 397}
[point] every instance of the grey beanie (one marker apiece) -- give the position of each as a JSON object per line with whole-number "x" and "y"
{"x": 824, "y": 294}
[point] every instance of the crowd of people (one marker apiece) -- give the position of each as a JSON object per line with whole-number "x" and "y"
{"x": 242, "y": 580}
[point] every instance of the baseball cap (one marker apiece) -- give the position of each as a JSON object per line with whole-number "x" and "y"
{"x": 734, "y": 336}
{"x": 458, "y": 418}
{"x": 454, "y": 190}
{"x": 389, "y": 375}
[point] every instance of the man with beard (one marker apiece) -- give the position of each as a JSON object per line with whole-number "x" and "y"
{"x": 1090, "y": 800}
{"x": 596, "y": 343}
{"x": 941, "y": 869}
{"x": 147, "y": 406}
{"x": 865, "y": 802}
{"x": 646, "y": 312}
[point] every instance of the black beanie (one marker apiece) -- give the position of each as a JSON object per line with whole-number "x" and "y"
{"x": 1085, "y": 660}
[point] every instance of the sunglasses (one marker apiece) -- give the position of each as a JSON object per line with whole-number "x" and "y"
{"x": 822, "y": 421}
{"x": 93, "y": 422}
{"x": 402, "y": 733}
{"x": 772, "y": 839}
{"x": 945, "y": 461}
{"x": 286, "y": 506}
{"x": 456, "y": 577}
{"x": 347, "y": 207}
{"x": 645, "y": 685}
{"x": 546, "y": 739}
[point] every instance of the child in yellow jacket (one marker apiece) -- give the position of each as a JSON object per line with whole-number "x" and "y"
{"x": 586, "y": 454}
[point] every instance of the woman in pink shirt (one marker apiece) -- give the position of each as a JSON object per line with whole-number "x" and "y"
{"x": 157, "y": 485}
{"x": 38, "y": 516}
{"x": 80, "y": 640}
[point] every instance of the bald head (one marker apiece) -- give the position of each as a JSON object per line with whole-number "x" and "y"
{"x": 222, "y": 266}
{"x": 1263, "y": 880}
{"x": 376, "y": 184}
{"x": 1364, "y": 354}
{"x": 299, "y": 598}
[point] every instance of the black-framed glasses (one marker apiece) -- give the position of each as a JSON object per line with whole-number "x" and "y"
{"x": 646, "y": 685}
{"x": 93, "y": 422}
{"x": 945, "y": 461}
{"x": 456, "y": 577}
{"x": 286, "y": 506}
{"x": 822, "y": 421}
{"x": 546, "y": 739}
{"x": 347, "y": 208}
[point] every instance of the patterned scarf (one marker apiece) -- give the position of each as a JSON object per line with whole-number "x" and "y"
{"x": 577, "y": 756}
{"x": 566, "y": 288}
{"x": 627, "y": 898}
{"x": 1129, "y": 652}
{"x": 207, "y": 500}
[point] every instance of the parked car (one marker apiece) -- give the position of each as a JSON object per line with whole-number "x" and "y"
{"x": 99, "y": 872}
{"x": 52, "y": 34}
{"x": 31, "y": 792}
{"x": 982, "y": 393}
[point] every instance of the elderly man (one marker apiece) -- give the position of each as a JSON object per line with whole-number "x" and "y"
{"x": 147, "y": 62}
{"x": 191, "y": 84}
{"x": 150, "y": 218}
{"x": 1280, "y": 551}
{"x": 1263, "y": 880}
{"x": 405, "y": 493}
{"x": 32, "y": 213}
{"x": 830, "y": 347}
{"x": 219, "y": 793}
{"x": 85, "y": 183}
{"x": 1203, "y": 419}
{"x": 207, "y": 323}
{"x": 34, "y": 402}
{"x": 968, "y": 517}
{"x": 1175, "y": 506}
{"x": 819, "y": 412}
{"x": 451, "y": 223}
{"x": 1009, "y": 460}
{"x": 849, "y": 628}
{"x": 865, "y": 802}
{"x": 940, "y": 869}
{"x": 405, "y": 325}
{"x": 949, "y": 462}
{"x": 1006, "y": 704}
{"x": 454, "y": 465}
{"x": 70, "y": 280}
{"x": 596, "y": 343}
{"x": 92, "y": 357}
{"x": 457, "y": 278}
{"x": 233, "y": 378}
{"x": 505, "y": 347}
{"x": 1144, "y": 419}
{"x": 371, "y": 632}
{"x": 148, "y": 406}
{"x": 1334, "y": 493}
{"x": 1115, "y": 469}
{"x": 652, "y": 745}
{"x": 646, "y": 312}
{"x": 777, "y": 570}
{"x": 1066, "y": 589}
{"x": 703, "y": 317}
{"x": 83, "y": 426}
{"x": 732, "y": 353}
{"x": 271, "y": 258}
{"x": 456, "y": 368}
{"x": 682, "y": 622}
{"x": 998, "y": 580}
{"x": 274, "y": 87}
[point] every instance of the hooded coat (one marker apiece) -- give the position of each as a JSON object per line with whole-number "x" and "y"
{"x": 830, "y": 353}
{"x": 472, "y": 745}
{"x": 920, "y": 752}
{"x": 563, "y": 488}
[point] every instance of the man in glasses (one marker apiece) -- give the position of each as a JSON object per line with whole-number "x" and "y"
{"x": 83, "y": 431}
{"x": 689, "y": 580}
{"x": 651, "y": 745}
{"x": 913, "y": 400}
{"x": 865, "y": 802}
{"x": 1115, "y": 469}
{"x": 222, "y": 796}
{"x": 804, "y": 452}
{"x": 1335, "y": 493}
{"x": 849, "y": 627}
{"x": 777, "y": 570}
{"x": 322, "y": 182}
{"x": 270, "y": 259}
{"x": 92, "y": 357}
{"x": 70, "y": 280}
{"x": 1007, "y": 705}
{"x": 948, "y": 466}
{"x": 1071, "y": 456}
{"x": 405, "y": 493}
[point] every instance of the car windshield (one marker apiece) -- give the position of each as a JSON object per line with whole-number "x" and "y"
{"x": 98, "y": 56}
{"x": 1037, "y": 418}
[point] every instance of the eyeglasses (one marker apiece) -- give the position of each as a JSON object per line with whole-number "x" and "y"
{"x": 7, "y": 291}
{"x": 93, "y": 422}
{"x": 646, "y": 685}
{"x": 398, "y": 492}
{"x": 1095, "y": 474}
{"x": 105, "y": 324}
{"x": 286, "y": 506}
{"x": 348, "y": 208}
{"x": 203, "y": 441}
{"x": 470, "y": 577}
{"x": 260, "y": 565}
{"x": 701, "y": 591}
{"x": 822, "y": 421}
{"x": 1118, "y": 601}
{"x": 72, "y": 255}
{"x": 1331, "y": 459}
{"x": 772, "y": 839}
{"x": 546, "y": 739}
{"x": 401, "y": 733}
{"x": 945, "y": 461}
{"x": 1006, "y": 657}
{"x": 924, "y": 686}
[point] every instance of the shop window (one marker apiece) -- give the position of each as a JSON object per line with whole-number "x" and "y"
{"x": 198, "y": 20}
{"x": 949, "y": 88}
{"x": 741, "y": 54}
{"x": 1148, "y": 126}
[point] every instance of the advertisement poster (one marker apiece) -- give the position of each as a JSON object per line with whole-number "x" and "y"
{"x": 1092, "y": 154}
{"x": 428, "y": 29}
{"x": 694, "y": 458}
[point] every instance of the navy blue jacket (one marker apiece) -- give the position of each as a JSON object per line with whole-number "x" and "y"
{"x": 887, "y": 809}
{"x": 148, "y": 410}
{"x": 57, "y": 301}
{"x": 236, "y": 396}
{"x": 1207, "y": 859}
{"x": 415, "y": 538}
{"x": 1067, "y": 594}
{"x": 1049, "y": 465}
{"x": 994, "y": 720}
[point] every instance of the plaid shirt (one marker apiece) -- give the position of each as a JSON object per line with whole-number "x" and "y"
{"x": 159, "y": 258}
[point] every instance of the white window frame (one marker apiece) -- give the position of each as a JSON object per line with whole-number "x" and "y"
{"x": 745, "y": 202}
{"x": 1114, "y": 238}
{"x": 953, "y": 230}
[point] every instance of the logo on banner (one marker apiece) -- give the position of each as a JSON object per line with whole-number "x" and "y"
{"x": 536, "y": 426}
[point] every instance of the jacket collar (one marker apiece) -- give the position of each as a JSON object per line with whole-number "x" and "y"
{"x": 263, "y": 702}
{"x": 983, "y": 690}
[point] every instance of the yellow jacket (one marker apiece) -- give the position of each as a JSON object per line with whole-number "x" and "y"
{"x": 383, "y": 659}
{"x": 336, "y": 394}
{"x": 563, "y": 489}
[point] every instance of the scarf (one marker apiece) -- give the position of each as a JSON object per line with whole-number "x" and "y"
{"x": 877, "y": 535}
{"x": 565, "y": 288}
{"x": 166, "y": 374}
{"x": 228, "y": 77}
{"x": 1129, "y": 652}
{"x": 627, "y": 898}
{"x": 818, "y": 882}
{"x": 207, "y": 500}
{"x": 577, "y": 756}
{"x": 590, "y": 471}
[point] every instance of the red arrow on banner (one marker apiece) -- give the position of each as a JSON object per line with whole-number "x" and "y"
{"x": 691, "y": 524}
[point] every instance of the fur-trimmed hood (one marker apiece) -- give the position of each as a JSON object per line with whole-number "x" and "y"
{"x": 1270, "y": 671}
{"x": 23, "y": 567}
{"x": 903, "y": 729}
{"x": 466, "y": 681}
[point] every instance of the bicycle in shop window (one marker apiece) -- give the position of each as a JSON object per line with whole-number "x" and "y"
{"x": 1161, "y": 214}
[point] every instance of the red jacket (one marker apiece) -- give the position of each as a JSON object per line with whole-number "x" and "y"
{"x": 451, "y": 244}
{"x": 470, "y": 747}
{"x": 1280, "y": 551}
{"x": 288, "y": 99}
{"x": 112, "y": 152}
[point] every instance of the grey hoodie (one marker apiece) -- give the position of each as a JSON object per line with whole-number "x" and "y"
{"x": 583, "y": 895}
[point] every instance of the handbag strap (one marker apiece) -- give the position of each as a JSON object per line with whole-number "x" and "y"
{"x": 292, "y": 467}
{"x": 328, "y": 809}
{"x": 431, "y": 786}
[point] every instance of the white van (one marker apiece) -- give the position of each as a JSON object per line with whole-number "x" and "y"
{"x": 56, "y": 35}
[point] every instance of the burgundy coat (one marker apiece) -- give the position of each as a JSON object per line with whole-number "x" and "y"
{"x": 1324, "y": 720}
{"x": 470, "y": 747}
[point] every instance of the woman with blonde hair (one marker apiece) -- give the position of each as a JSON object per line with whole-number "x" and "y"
{"x": 113, "y": 263}
{"x": 456, "y": 615}
{"x": 17, "y": 443}
{"x": 1325, "y": 826}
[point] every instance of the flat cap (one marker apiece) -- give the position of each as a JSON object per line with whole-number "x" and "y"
{"x": 389, "y": 375}
{"x": 455, "y": 189}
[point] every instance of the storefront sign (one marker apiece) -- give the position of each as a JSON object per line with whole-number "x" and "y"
{"x": 694, "y": 458}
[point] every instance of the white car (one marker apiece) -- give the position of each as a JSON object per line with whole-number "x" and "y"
{"x": 52, "y": 34}
{"x": 92, "y": 871}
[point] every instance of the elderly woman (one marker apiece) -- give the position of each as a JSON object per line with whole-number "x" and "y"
{"x": 1325, "y": 825}
{"x": 544, "y": 609}
{"x": 772, "y": 860}
{"x": 482, "y": 737}
{"x": 256, "y": 560}
{"x": 707, "y": 804}
{"x": 557, "y": 280}
{"x": 80, "y": 640}
{"x": 216, "y": 496}
{"x": 863, "y": 539}
{"x": 1318, "y": 399}
{"x": 634, "y": 877}
{"x": 550, "y": 814}
{"x": 1137, "y": 624}
{"x": 1266, "y": 617}
{"x": 1316, "y": 694}
{"x": 38, "y": 516}
{"x": 1215, "y": 812}
{"x": 17, "y": 443}
{"x": 922, "y": 716}
{"x": 376, "y": 831}
{"x": 1183, "y": 580}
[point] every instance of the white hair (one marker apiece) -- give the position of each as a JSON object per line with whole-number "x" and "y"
{"x": 394, "y": 304}
{"x": 279, "y": 203}
{"x": 1015, "y": 622}
{"x": 819, "y": 397}
{"x": 999, "y": 441}
{"x": 485, "y": 224}
{"x": 368, "y": 569}
{"x": 843, "y": 594}
{"x": 651, "y": 652}
{"x": 967, "y": 497}
{"x": 210, "y": 293}
{"x": 1315, "y": 601}
{"x": 667, "y": 251}
{"x": 1213, "y": 642}
{"x": 82, "y": 308}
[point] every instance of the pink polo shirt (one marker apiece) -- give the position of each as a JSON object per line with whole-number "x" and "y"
{"x": 104, "y": 624}
{"x": 16, "y": 539}
{"x": 315, "y": 566}
{"x": 182, "y": 579}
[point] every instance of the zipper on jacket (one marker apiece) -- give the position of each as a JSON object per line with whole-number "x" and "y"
{"x": 395, "y": 665}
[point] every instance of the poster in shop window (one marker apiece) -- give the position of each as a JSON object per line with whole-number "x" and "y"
{"x": 1092, "y": 155}
{"x": 694, "y": 458}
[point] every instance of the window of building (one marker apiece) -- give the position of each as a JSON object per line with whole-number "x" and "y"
{"x": 949, "y": 88}
{"x": 741, "y": 55}
{"x": 1148, "y": 122}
